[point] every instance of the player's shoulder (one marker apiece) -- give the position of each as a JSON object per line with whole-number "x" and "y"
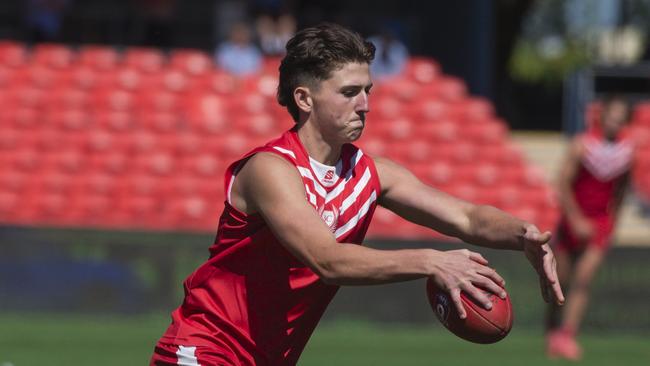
{"x": 266, "y": 162}
{"x": 579, "y": 141}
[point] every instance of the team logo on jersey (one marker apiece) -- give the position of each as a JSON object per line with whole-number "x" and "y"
{"x": 330, "y": 217}
{"x": 329, "y": 177}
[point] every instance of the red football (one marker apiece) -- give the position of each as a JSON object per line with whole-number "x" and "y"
{"x": 480, "y": 325}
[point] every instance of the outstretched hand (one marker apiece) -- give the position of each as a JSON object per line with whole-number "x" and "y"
{"x": 464, "y": 270}
{"x": 540, "y": 255}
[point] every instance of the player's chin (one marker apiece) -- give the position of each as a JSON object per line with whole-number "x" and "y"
{"x": 354, "y": 134}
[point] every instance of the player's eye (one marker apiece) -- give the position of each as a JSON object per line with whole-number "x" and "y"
{"x": 350, "y": 92}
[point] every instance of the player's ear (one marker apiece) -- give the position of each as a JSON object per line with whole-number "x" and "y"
{"x": 302, "y": 97}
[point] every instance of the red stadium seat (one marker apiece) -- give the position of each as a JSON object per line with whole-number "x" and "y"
{"x": 97, "y": 57}
{"x": 26, "y": 96}
{"x": 487, "y": 175}
{"x": 207, "y": 113}
{"x": 13, "y": 180}
{"x": 67, "y": 98}
{"x": 476, "y": 109}
{"x": 173, "y": 81}
{"x": 116, "y": 163}
{"x": 113, "y": 100}
{"x": 428, "y": 109}
{"x": 54, "y": 182}
{"x": 192, "y": 62}
{"x": 449, "y": 89}
{"x": 400, "y": 129}
{"x": 403, "y": 89}
{"x": 127, "y": 78}
{"x": 158, "y": 163}
{"x": 9, "y": 203}
{"x": 220, "y": 82}
{"x": 26, "y": 160}
{"x": 160, "y": 122}
{"x": 422, "y": 70}
{"x": 386, "y": 108}
{"x": 42, "y": 77}
{"x": 56, "y": 56}
{"x": 70, "y": 119}
{"x": 83, "y": 78}
{"x": 12, "y": 54}
{"x": 441, "y": 131}
{"x": 267, "y": 86}
{"x": 486, "y": 132}
{"x": 144, "y": 59}
{"x": 641, "y": 114}
{"x": 258, "y": 124}
{"x": 158, "y": 101}
{"x": 203, "y": 165}
{"x": 8, "y": 77}
{"x": 65, "y": 161}
{"x": 114, "y": 121}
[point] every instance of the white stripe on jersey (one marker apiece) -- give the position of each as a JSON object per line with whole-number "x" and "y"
{"x": 355, "y": 219}
{"x": 285, "y": 151}
{"x": 353, "y": 163}
{"x": 186, "y": 356}
{"x": 307, "y": 174}
{"x": 606, "y": 161}
{"x": 358, "y": 188}
{"x": 312, "y": 197}
{"x": 232, "y": 181}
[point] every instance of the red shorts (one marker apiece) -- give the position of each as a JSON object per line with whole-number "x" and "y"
{"x": 567, "y": 241}
{"x": 167, "y": 354}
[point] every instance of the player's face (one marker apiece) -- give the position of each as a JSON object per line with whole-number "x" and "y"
{"x": 614, "y": 118}
{"x": 341, "y": 103}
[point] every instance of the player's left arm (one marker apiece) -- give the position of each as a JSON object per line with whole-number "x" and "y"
{"x": 407, "y": 196}
{"x": 619, "y": 193}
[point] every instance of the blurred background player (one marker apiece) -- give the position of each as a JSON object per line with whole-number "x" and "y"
{"x": 592, "y": 183}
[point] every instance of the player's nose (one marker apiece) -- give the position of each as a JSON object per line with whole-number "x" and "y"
{"x": 362, "y": 104}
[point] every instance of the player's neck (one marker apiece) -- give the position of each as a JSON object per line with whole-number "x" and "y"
{"x": 317, "y": 147}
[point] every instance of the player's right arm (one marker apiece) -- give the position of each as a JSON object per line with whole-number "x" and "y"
{"x": 580, "y": 225}
{"x": 270, "y": 186}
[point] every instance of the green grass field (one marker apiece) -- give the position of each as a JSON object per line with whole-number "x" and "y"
{"x": 27, "y": 340}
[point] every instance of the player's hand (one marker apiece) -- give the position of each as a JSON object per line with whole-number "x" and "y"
{"x": 583, "y": 229}
{"x": 541, "y": 256}
{"x": 464, "y": 270}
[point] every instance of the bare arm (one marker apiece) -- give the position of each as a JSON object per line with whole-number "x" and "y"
{"x": 270, "y": 186}
{"x": 579, "y": 224}
{"x": 407, "y": 196}
{"x": 619, "y": 193}
{"x": 566, "y": 178}
{"x": 413, "y": 200}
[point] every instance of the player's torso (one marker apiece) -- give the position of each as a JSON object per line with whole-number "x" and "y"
{"x": 344, "y": 195}
{"x": 257, "y": 296}
{"x": 602, "y": 165}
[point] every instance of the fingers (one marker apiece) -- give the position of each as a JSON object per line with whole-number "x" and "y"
{"x": 455, "y": 298}
{"x": 478, "y": 295}
{"x": 478, "y": 258}
{"x": 550, "y": 272}
{"x": 533, "y": 235}
{"x": 492, "y": 282}
{"x": 543, "y": 286}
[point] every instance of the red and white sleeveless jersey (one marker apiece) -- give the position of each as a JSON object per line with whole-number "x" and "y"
{"x": 252, "y": 301}
{"x": 602, "y": 165}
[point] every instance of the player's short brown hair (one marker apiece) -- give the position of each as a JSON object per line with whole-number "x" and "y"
{"x": 313, "y": 54}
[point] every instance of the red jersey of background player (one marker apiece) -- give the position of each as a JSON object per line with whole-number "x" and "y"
{"x": 252, "y": 300}
{"x": 603, "y": 165}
